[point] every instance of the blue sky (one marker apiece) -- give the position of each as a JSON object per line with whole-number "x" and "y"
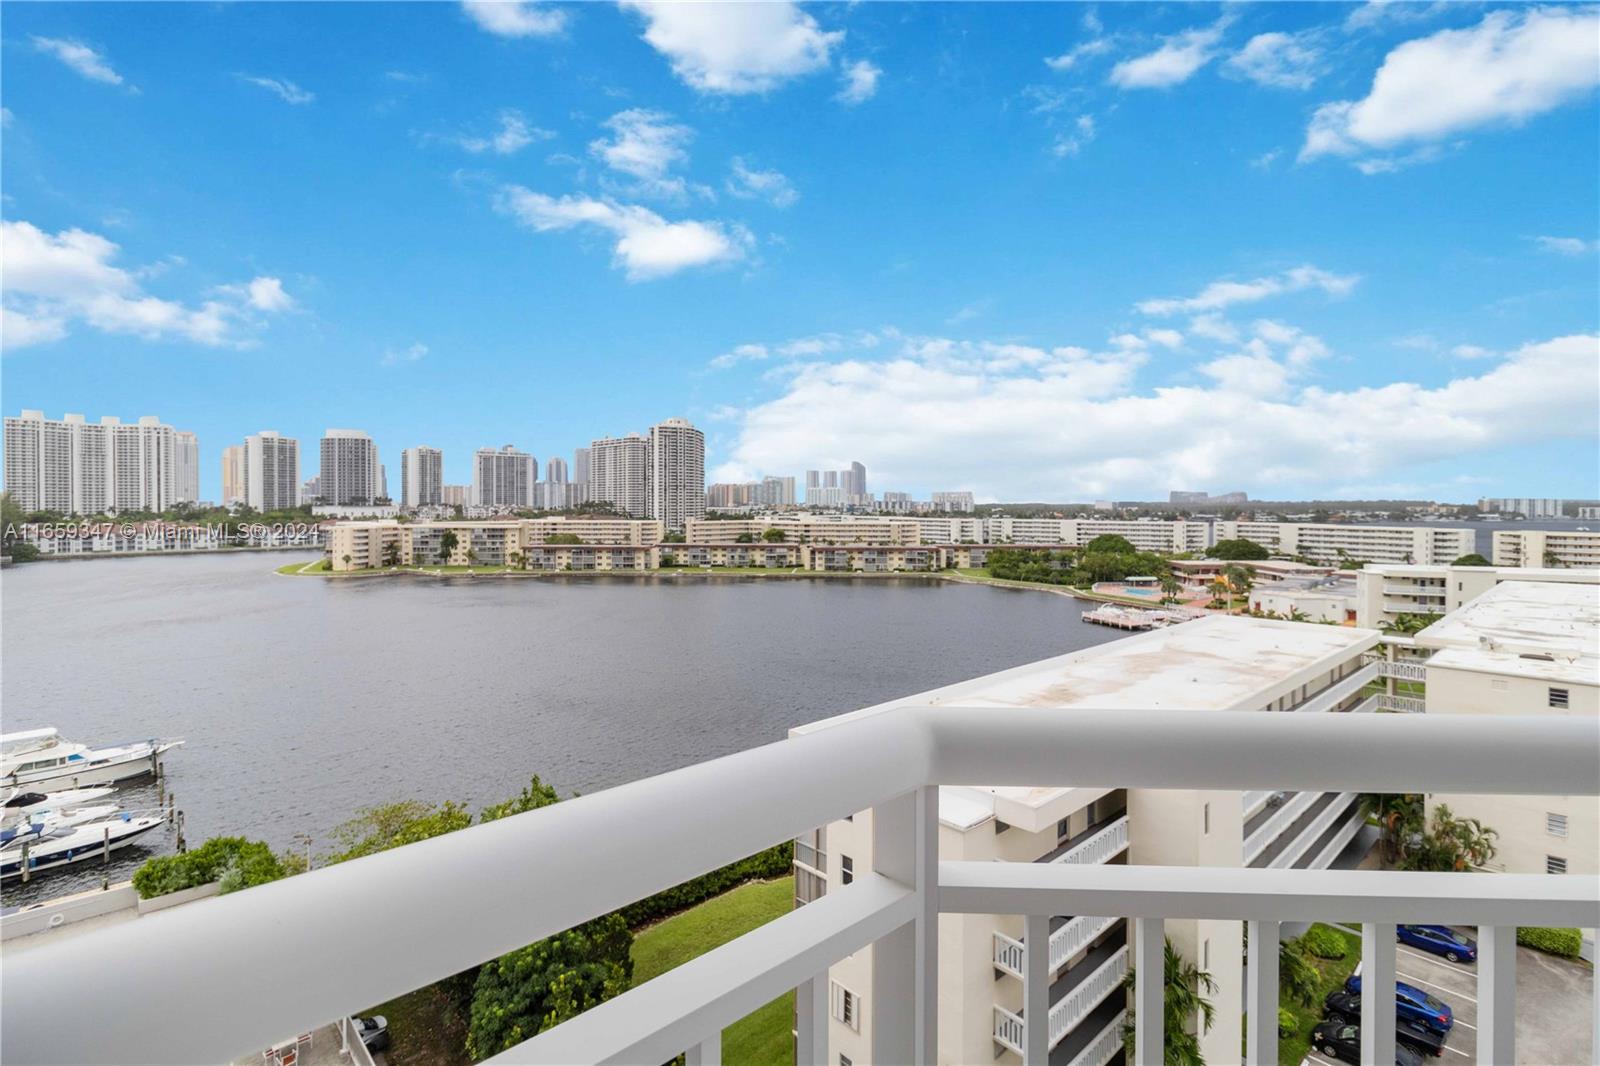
{"x": 1037, "y": 251}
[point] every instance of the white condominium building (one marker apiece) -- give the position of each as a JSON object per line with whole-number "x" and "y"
{"x": 619, "y": 473}
{"x": 1526, "y": 506}
{"x": 503, "y": 478}
{"x": 350, "y": 472}
{"x": 232, "y": 475}
{"x": 1212, "y": 664}
{"x": 959, "y": 502}
{"x": 271, "y": 471}
{"x": 1387, "y": 590}
{"x": 675, "y": 480}
{"x": 1373, "y": 544}
{"x": 365, "y": 545}
{"x": 1523, "y": 647}
{"x": 1546, "y": 547}
{"x": 806, "y": 528}
{"x": 77, "y": 467}
{"x": 421, "y": 477}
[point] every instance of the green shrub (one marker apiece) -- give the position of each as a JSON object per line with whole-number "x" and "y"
{"x": 776, "y": 861}
{"x": 1324, "y": 943}
{"x": 234, "y": 862}
{"x": 1286, "y": 1022}
{"x": 1564, "y": 942}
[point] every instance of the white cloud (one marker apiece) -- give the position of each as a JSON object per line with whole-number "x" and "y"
{"x": 1265, "y": 160}
{"x": 1175, "y": 62}
{"x": 516, "y": 18}
{"x": 1071, "y": 142}
{"x": 1214, "y": 327}
{"x": 80, "y": 57}
{"x": 1167, "y": 338}
{"x": 747, "y": 47}
{"x": 1377, "y": 13}
{"x": 286, "y": 90}
{"x": 1280, "y": 60}
{"x": 800, "y": 347}
{"x": 1567, "y": 245}
{"x": 748, "y": 183}
{"x": 1220, "y": 294}
{"x": 645, "y": 145}
{"x": 1076, "y": 425}
{"x": 401, "y": 356}
{"x": 860, "y": 83}
{"x": 513, "y": 135}
{"x": 51, "y": 281}
{"x": 1508, "y": 68}
{"x": 1084, "y": 49}
{"x": 1472, "y": 351}
{"x": 647, "y": 246}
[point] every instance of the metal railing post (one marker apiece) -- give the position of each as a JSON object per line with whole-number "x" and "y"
{"x": 811, "y": 1021}
{"x": 1377, "y": 993}
{"x": 1149, "y": 991}
{"x": 1497, "y": 993}
{"x": 905, "y": 962}
{"x": 1036, "y": 990}
{"x": 1261, "y": 998}
{"x": 706, "y": 1053}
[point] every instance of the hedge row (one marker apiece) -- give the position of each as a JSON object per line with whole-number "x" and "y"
{"x": 776, "y": 861}
{"x": 1324, "y": 943}
{"x": 234, "y": 861}
{"x": 1564, "y": 942}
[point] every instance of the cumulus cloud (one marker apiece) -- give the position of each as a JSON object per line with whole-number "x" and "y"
{"x": 1175, "y": 62}
{"x": 54, "y": 280}
{"x": 646, "y": 246}
{"x": 860, "y": 82}
{"x": 645, "y": 145}
{"x": 1074, "y": 138}
{"x": 516, "y": 18}
{"x": 1471, "y": 351}
{"x": 1507, "y": 69}
{"x": 400, "y": 356}
{"x": 79, "y": 57}
{"x": 514, "y": 134}
{"x": 747, "y": 47}
{"x": 800, "y": 347}
{"x": 1077, "y": 425}
{"x": 285, "y": 90}
{"x": 1280, "y": 60}
{"x": 749, "y": 183}
{"x": 1220, "y": 294}
{"x": 1082, "y": 50}
{"x": 1567, "y": 245}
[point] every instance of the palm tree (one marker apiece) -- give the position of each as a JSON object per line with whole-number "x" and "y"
{"x": 1297, "y": 615}
{"x": 1171, "y": 587}
{"x": 1219, "y": 588}
{"x": 1298, "y": 979}
{"x": 519, "y": 560}
{"x": 1184, "y": 990}
{"x": 447, "y": 544}
{"x": 1240, "y": 579}
{"x": 1552, "y": 559}
{"x": 346, "y": 559}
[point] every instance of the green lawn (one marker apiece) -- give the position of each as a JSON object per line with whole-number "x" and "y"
{"x": 1292, "y": 1048}
{"x": 763, "y": 1038}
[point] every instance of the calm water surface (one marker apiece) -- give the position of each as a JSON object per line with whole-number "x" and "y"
{"x": 302, "y": 699}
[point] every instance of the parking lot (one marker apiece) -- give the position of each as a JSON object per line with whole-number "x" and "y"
{"x": 1554, "y": 998}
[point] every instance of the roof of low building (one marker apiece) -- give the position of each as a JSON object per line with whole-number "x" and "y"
{"x": 1541, "y": 629}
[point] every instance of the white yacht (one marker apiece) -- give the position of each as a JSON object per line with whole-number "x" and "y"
{"x": 38, "y": 759}
{"x": 19, "y": 803}
{"x": 50, "y": 849}
{"x": 45, "y": 819}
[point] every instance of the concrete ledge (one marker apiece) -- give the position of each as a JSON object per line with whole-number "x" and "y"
{"x": 172, "y": 899}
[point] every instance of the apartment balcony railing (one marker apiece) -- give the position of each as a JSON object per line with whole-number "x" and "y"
{"x": 1402, "y": 670}
{"x": 1340, "y": 690}
{"x": 1432, "y": 592}
{"x": 1102, "y": 846}
{"x": 1401, "y": 704}
{"x": 1074, "y": 935}
{"x": 1088, "y": 994}
{"x": 219, "y": 979}
{"x": 1104, "y": 1048}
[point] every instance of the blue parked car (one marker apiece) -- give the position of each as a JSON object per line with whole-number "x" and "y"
{"x": 1411, "y": 1004}
{"x": 1439, "y": 939}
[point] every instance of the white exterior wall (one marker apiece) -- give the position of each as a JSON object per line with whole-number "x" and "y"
{"x": 1529, "y": 547}
{"x": 1385, "y": 592}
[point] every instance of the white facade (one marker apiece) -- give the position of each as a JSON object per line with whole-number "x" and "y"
{"x": 351, "y": 472}
{"x": 186, "y": 467}
{"x": 1384, "y": 592}
{"x": 421, "y": 477}
{"x": 1337, "y": 541}
{"x": 1526, "y": 506}
{"x": 77, "y": 467}
{"x": 1216, "y": 663}
{"x": 1547, "y": 547}
{"x": 503, "y": 478}
{"x": 958, "y": 502}
{"x": 675, "y": 481}
{"x": 619, "y": 473}
{"x": 271, "y": 471}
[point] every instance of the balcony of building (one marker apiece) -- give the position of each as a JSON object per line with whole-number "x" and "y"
{"x": 279, "y": 958}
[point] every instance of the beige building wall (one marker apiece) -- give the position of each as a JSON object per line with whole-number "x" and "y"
{"x": 1542, "y": 547}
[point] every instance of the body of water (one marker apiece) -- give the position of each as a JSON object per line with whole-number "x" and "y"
{"x": 303, "y": 699}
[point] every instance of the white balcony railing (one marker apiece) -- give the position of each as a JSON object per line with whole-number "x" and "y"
{"x": 1402, "y": 704}
{"x": 1104, "y": 1047}
{"x": 1074, "y": 936}
{"x": 1339, "y": 691}
{"x": 1074, "y": 1007}
{"x": 1104, "y": 846}
{"x": 1008, "y": 954}
{"x": 238, "y": 971}
{"x": 1404, "y": 671}
{"x": 1008, "y": 1030}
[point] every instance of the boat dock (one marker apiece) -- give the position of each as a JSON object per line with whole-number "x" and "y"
{"x": 1136, "y": 618}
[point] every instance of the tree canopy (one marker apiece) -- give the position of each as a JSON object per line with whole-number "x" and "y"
{"x": 1109, "y": 543}
{"x": 1238, "y": 548}
{"x": 1472, "y": 559}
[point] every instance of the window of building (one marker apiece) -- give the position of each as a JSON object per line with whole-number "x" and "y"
{"x": 1559, "y": 697}
{"x": 1205, "y": 818}
{"x": 1205, "y": 954}
{"x": 1061, "y": 830}
{"x": 1555, "y": 864}
{"x": 845, "y": 1005}
{"x": 1555, "y": 824}
{"x": 847, "y": 869}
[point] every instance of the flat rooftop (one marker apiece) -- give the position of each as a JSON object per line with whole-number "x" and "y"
{"x": 1216, "y": 663}
{"x": 1498, "y": 631}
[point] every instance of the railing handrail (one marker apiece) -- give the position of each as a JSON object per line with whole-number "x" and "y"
{"x": 267, "y": 959}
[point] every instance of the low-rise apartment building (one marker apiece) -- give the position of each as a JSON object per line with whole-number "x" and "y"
{"x": 505, "y": 542}
{"x": 872, "y": 558}
{"x": 1238, "y": 663}
{"x": 1523, "y": 647}
{"x": 1385, "y": 592}
{"x": 807, "y": 528}
{"x": 1334, "y": 542}
{"x": 1547, "y": 548}
{"x": 757, "y": 554}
